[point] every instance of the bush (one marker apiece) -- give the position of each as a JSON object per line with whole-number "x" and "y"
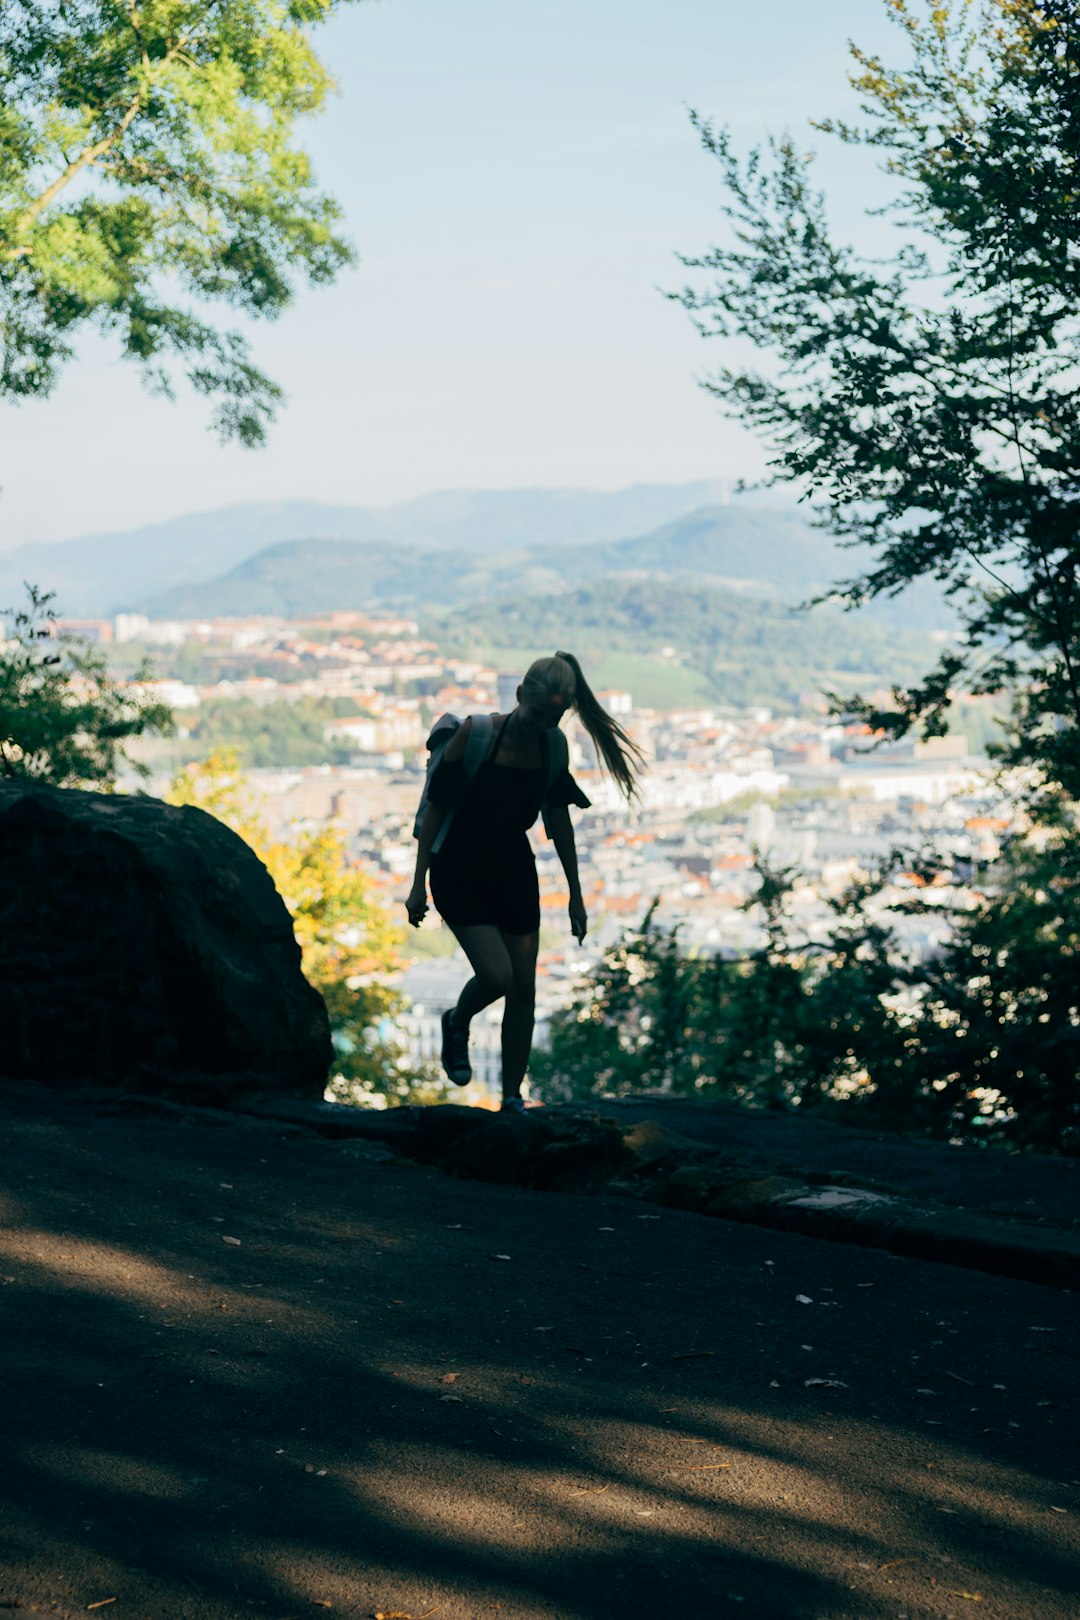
{"x": 62, "y": 719}
{"x": 979, "y": 1043}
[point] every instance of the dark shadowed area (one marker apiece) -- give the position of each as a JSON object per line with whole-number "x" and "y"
{"x": 250, "y": 1371}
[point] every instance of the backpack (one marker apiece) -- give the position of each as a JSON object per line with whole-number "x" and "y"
{"x": 476, "y": 751}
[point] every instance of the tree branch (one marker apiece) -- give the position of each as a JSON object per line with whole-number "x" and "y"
{"x": 135, "y": 29}
{"x": 91, "y": 153}
{"x": 88, "y": 156}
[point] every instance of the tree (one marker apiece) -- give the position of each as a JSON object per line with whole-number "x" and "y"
{"x": 349, "y": 944}
{"x": 147, "y": 156}
{"x": 62, "y": 719}
{"x": 279, "y": 733}
{"x": 930, "y": 408}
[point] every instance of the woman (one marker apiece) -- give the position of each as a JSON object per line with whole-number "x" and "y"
{"x": 483, "y": 878}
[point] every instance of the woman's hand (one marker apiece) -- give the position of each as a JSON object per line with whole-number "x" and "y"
{"x": 579, "y": 919}
{"x": 416, "y": 905}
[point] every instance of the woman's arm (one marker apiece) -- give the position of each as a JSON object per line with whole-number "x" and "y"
{"x": 416, "y": 904}
{"x": 430, "y": 822}
{"x": 562, "y": 836}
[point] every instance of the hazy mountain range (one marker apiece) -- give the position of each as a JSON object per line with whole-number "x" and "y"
{"x": 737, "y": 550}
{"x": 106, "y": 573}
{"x": 313, "y": 576}
{"x": 445, "y": 553}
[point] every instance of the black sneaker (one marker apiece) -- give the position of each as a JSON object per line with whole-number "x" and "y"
{"x": 455, "y": 1049}
{"x": 513, "y": 1105}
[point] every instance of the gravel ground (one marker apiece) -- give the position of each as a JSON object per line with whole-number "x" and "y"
{"x": 251, "y": 1372}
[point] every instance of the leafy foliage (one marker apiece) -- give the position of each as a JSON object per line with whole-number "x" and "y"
{"x": 62, "y": 719}
{"x": 784, "y": 1025}
{"x": 932, "y": 410}
{"x": 980, "y": 1043}
{"x": 998, "y": 1020}
{"x": 279, "y": 733}
{"x": 349, "y": 944}
{"x": 147, "y": 146}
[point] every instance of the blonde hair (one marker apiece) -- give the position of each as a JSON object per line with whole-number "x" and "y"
{"x": 561, "y": 677}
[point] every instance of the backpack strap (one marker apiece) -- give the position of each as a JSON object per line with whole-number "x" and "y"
{"x": 481, "y": 732}
{"x": 558, "y": 760}
{"x": 441, "y": 731}
{"x": 439, "y": 737}
{"x": 477, "y": 744}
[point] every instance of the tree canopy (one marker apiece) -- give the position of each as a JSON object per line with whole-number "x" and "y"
{"x": 148, "y": 171}
{"x": 929, "y": 405}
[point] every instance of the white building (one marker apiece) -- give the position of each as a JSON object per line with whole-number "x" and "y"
{"x": 357, "y": 729}
{"x": 177, "y": 694}
{"x": 614, "y": 702}
{"x": 130, "y": 626}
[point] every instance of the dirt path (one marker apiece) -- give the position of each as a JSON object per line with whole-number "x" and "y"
{"x": 358, "y": 1406}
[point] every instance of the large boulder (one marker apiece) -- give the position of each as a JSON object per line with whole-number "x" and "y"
{"x": 145, "y": 945}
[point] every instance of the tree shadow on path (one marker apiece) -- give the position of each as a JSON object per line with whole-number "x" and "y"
{"x": 356, "y": 1403}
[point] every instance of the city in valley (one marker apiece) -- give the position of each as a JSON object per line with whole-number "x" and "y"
{"x": 722, "y": 788}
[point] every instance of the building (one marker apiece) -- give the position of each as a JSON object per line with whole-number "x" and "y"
{"x": 356, "y": 729}
{"x": 130, "y": 626}
{"x": 93, "y": 631}
{"x": 615, "y": 702}
{"x": 176, "y": 694}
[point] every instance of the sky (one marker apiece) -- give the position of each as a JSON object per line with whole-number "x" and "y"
{"x": 518, "y": 177}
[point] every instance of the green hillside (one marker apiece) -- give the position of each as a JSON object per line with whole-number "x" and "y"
{"x": 729, "y": 647}
{"x": 296, "y": 577}
{"x": 718, "y": 543}
{"x": 315, "y": 576}
{"x": 707, "y": 589}
{"x": 767, "y": 550}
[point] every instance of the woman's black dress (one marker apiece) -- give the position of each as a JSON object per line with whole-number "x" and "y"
{"x": 485, "y": 873}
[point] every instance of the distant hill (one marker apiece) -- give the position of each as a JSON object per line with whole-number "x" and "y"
{"x": 101, "y": 574}
{"x": 775, "y": 548}
{"x": 316, "y": 576}
{"x": 768, "y": 552}
{"x": 732, "y": 647}
{"x": 759, "y": 549}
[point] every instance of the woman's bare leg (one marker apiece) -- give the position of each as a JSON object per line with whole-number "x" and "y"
{"x": 518, "y": 1018}
{"x": 493, "y": 973}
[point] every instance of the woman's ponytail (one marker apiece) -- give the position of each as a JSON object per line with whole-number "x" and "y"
{"x": 561, "y": 676}
{"x": 621, "y": 756}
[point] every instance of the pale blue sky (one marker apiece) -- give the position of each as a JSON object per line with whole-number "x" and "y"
{"x": 518, "y": 176}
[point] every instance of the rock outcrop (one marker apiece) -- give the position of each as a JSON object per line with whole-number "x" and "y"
{"x": 144, "y": 945}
